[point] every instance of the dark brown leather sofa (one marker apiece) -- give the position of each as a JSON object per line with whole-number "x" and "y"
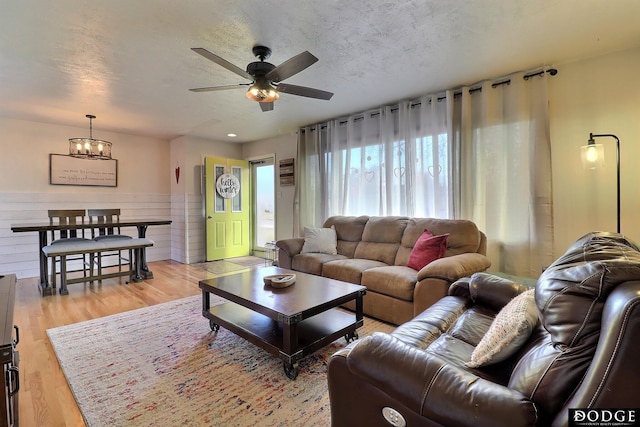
{"x": 584, "y": 351}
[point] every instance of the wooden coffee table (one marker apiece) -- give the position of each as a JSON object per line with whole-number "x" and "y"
{"x": 290, "y": 322}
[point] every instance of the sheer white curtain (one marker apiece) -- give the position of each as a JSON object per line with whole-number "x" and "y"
{"x": 482, "y": 155}
{"x": 388, "y": 161}
{"x": 504, "y": 155}
{"x": 310, "y": 193}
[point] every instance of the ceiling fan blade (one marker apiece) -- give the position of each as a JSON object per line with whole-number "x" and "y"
{"x": 291, "y": 66}
{"x": 214, "y": 88}
{"x": 222, "y": 62}
{"x": 266, "y": 106}
{"x": 309, "y": 92}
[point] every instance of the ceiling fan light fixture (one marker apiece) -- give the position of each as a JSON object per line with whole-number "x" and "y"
{"x": 262, "y": 91}
{"x": 266, "y": 78}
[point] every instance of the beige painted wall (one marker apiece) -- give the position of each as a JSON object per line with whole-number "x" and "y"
{"x": 598, "y": 95}
{"x": 187, "y": 195}
{"x": 24, "y": 162}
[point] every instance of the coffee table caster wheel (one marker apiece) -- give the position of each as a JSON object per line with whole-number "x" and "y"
{"x": 291, "y": 370}
{"x": 214, "y": 326}
{"x": 351, "y": 336}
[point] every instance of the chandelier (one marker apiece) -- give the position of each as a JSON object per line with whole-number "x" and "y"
{"x": 89, "y": 148}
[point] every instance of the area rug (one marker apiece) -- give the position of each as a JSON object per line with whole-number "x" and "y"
{"x": 220, "y": 267}
{"x": 163, "y": 366}
{"x": 248, "y": 261}
{"x": 231, "y": 265}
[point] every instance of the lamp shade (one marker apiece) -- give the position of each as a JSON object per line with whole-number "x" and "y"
{"x": 592, "y": 156}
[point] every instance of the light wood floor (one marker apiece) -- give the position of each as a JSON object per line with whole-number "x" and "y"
{"x": 45, "y": 398}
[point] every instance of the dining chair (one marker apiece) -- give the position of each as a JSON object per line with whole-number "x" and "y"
{"x": 63, "y": 217}
{"x": 106, "y": 227}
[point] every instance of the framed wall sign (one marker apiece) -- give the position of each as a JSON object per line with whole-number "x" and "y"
{"x": 67, "y": 170}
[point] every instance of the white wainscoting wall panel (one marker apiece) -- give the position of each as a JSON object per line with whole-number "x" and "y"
{"x": 196, "y": 228}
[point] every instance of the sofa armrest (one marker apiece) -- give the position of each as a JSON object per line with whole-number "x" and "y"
{"x": 433, "y": 388}
{"x": 487, "y": 289}
{"x": 493, "y": 291}
{"x": 460, "y": 288}
{"x": 455, "y": 267}
{"x": 434, "y": 280}
{"x": 287, "y": 249}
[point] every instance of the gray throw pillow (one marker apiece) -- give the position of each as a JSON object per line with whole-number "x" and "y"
{"x": 320, "y": 240}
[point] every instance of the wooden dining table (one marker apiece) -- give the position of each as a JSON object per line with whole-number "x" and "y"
{"x": 42, "y": 228}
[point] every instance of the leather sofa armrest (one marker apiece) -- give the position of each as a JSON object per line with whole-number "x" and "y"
{"x": 455, "y": 267}
{"x": 433, "y": 388}
{"x": 460, "y": 288}
{"x": 287, "y": 249}
{"x": 493, "y": 291}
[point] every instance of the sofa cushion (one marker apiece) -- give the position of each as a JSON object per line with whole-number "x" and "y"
{"x": 312, "y": 262}
{"x": 393, "y": 280}
{"x": 381, "y": 238}
{"x": 428, "y": 248}
{"x": 464, "y": 236}
{"x": 348, "y": 270}
{"x": 508, "y": 331}
{"x": 320, "y": 240}
{"x": 570, "y": 295}
{"x": 583, "y": 278}
{"x": 427, "y": 326}
{"x": 348, "y": 231}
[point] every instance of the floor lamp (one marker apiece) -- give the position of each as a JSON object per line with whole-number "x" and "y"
{"x": 593, "y": 158}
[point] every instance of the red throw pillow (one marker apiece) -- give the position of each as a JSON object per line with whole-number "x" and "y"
{"x": 428, "y": 248}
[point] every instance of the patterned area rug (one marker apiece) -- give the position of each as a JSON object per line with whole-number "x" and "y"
{"x": 163, "y": 366}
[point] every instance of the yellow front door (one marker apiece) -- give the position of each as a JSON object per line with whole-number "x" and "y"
{"x": 227, "y": 208}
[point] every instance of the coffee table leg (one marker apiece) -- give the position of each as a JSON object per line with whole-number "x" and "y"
{"x": 290, "y": 344}
{"x": 351, "y": 336}
{"x": 291, "y": 370}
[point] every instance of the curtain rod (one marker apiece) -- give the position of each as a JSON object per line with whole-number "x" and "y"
{"x": 551, "y": 71}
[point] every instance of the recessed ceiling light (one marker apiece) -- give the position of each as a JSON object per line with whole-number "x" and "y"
{"x": 231, "y": 135}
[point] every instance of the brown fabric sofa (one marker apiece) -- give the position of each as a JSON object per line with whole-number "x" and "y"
{"x": 582, "y": 353}
{"x": 373, "y": 252}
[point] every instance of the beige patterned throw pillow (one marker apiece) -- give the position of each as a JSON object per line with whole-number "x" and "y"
{"x": 509, "y": 330}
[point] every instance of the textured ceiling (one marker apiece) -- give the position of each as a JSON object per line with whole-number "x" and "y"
{"x": 130, "y": 63}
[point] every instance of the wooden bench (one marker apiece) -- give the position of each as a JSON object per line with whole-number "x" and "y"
{"x": 63, "y": 249}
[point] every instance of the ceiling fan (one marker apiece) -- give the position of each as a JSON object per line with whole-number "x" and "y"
{"x": 266, "y": 78}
